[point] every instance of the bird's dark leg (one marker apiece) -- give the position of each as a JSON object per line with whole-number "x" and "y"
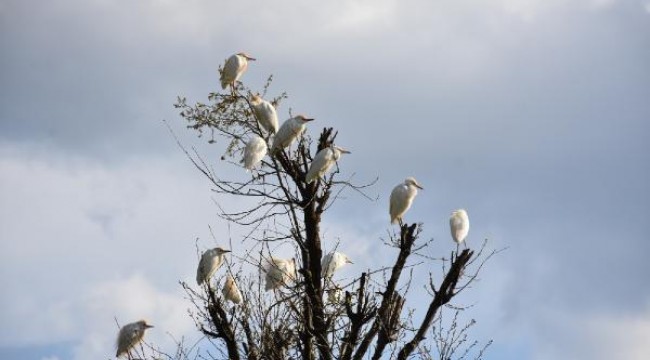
{"x": 209, "y": 286}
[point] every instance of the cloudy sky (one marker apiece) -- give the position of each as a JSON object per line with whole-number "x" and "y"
{"x": 532, "y": 114}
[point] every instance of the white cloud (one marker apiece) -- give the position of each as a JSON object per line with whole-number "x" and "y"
{"x": 463, "y": 34}
{"x": 598, "y": 336}
{"x": 620, "y": 336}
{"x": 602, "y": 4}
{"x": 83, "y": 241}
{"x": 130, "y": 300}
{"x": 531, "y": 10}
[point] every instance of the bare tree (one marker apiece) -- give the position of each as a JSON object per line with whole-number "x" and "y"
{"x": 309, "y": 316}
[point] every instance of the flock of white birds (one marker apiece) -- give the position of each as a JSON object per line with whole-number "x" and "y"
{"x": 281, "y": 272}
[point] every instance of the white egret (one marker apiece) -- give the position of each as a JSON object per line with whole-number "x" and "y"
{"x": 130, "y": 335}
{"x": 254, "y": 152}
{"x": 211, "y": 260}
{"x": 279, "y": 272}
{"x": 231, "y": 291}
{"x": 323, "y": 161}
{"x": 459, "y": 225}
{"x": 401, "y": 199}
{"x": 332, "y": 262}
{"x": 265, "y": 114}
{"x": 289, "y": 131}
{"x": 234, "y": 68}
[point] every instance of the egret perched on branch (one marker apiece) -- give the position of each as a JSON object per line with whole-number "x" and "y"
{"x": 332, "y": 262}
{"x": 265, "y": 114}
{"x": 130, "y": 335}
{"x": 323, "y": 161}
{"x": 401, "y": 198}
{"x": 231, "y": 291}
{"x": 211, "y": 260}
{"x": 289, "y": 131}
{"x": 279, "y": 272}
{"x": 254, "y": 152}
{"x": 234, "y": 68}
{"x": 459, "y": 225}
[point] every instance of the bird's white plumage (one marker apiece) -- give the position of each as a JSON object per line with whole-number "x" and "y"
{"x": 210, "y": 261}
{"x": 279, "y": 272}
{"x": 401, "y": 198}
{"x": 265, "y": 114}
{"x": 233, "y": 69}
{"x": 332, "y": 262}
{"x": 129, "y": 336}
{"x": 289, "y": 131}
{"x": 254, "y": 152}
{"x": 323, "y": 161}
{"x": 231, "y": 291}
{"x": 459, "y": 225}
{"x": 335, "y": 295}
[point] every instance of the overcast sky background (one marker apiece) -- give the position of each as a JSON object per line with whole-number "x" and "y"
{"x": 532, "y": 114}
